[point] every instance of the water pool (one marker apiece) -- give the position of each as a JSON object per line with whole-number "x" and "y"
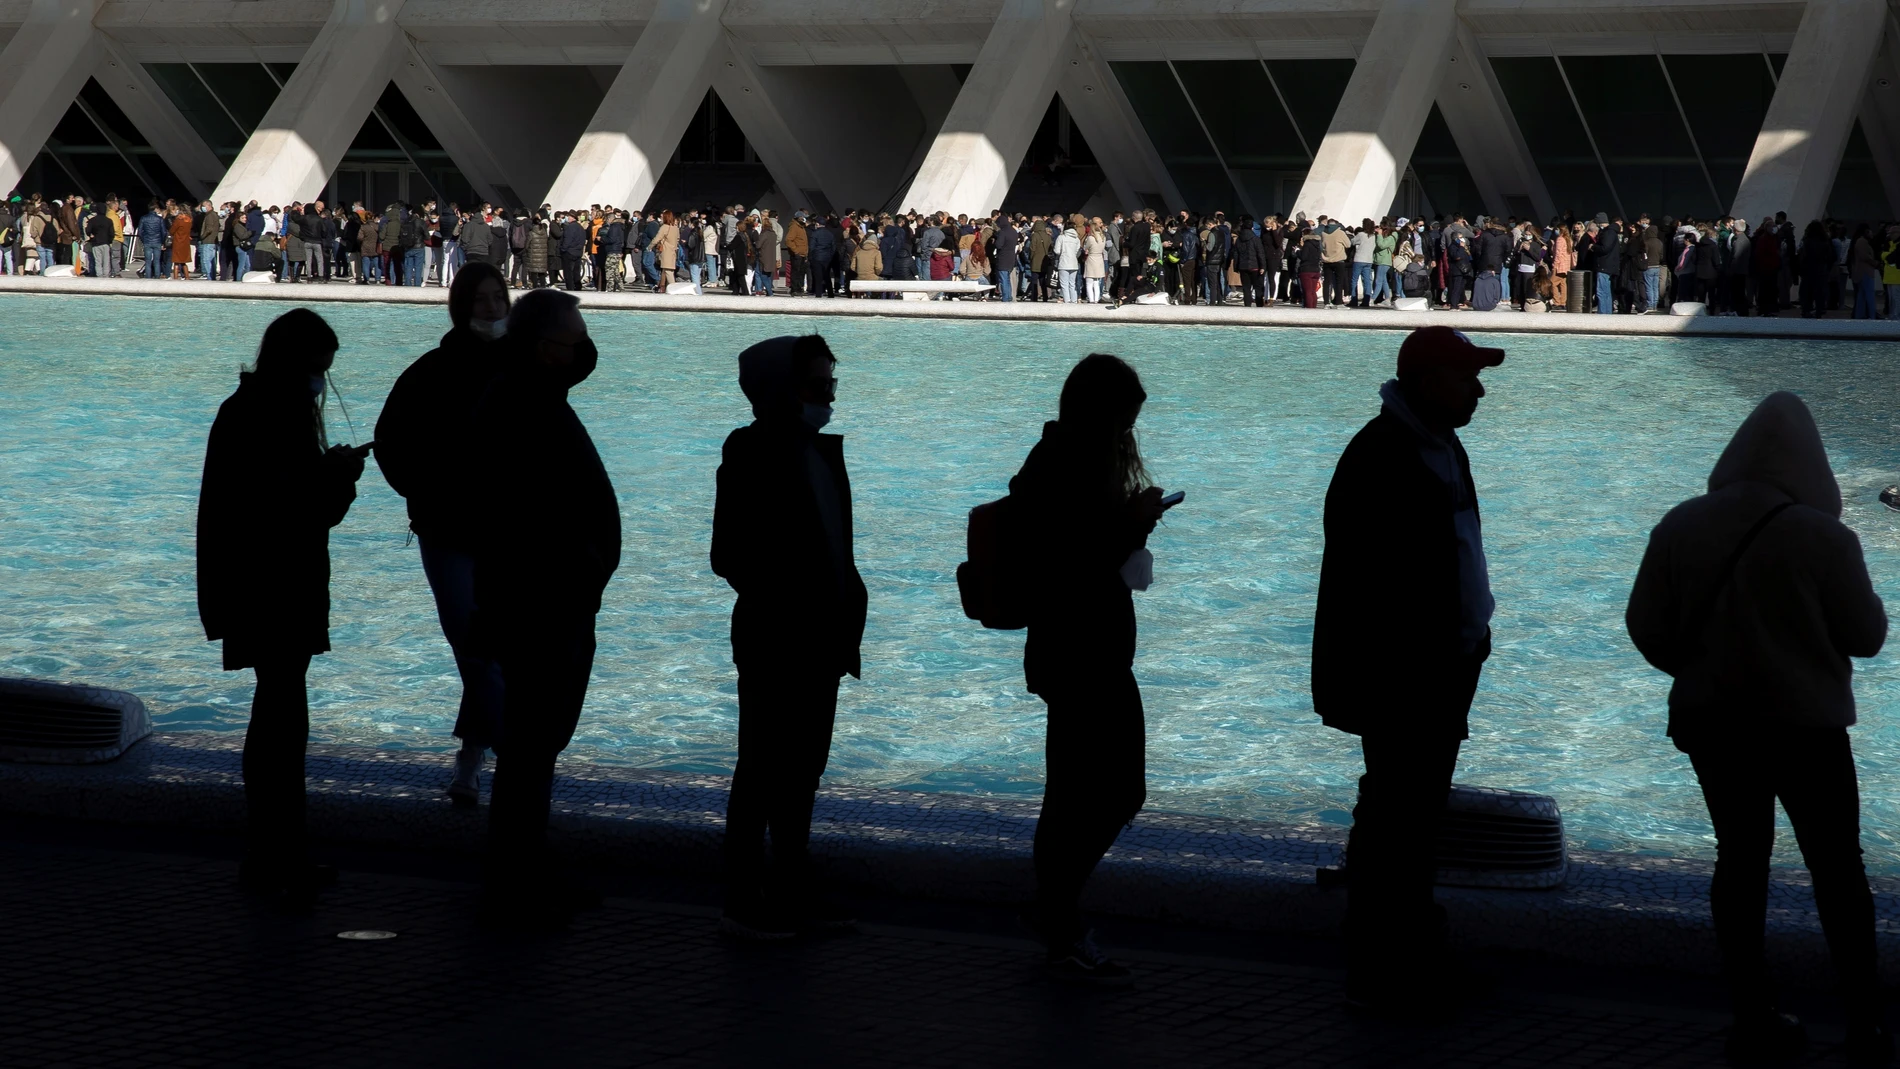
{"x": 1580, "y": 447}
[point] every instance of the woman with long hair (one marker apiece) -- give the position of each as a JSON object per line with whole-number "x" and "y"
{"x": 1083, "y": 507}
{"x": 273, "y": 487}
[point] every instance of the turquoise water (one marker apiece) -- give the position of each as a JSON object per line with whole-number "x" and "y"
{"x": 1580, "y": 447}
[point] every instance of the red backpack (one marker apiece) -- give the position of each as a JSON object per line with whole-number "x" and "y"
{"x": 991, "y": 581}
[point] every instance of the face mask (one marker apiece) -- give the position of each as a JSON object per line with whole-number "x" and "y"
{"x": 222, "y": 212}
{"x": 816, "y": 416}
{"x": 492, "y": 329}
{"x": 316, "y": 386}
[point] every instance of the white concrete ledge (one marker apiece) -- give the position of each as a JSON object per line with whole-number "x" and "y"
{"x": 1659, "y": 326}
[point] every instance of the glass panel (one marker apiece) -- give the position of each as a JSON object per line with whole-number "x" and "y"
{"x": 1726, "y": 99}
{"x": 1441, "y": 170}
{"x": 1250, "y": 128}
{"x": 1313, "y": 88}
{"x": 1641, "y": 136}
{"x": 1858, "y": 195}
{"x": 1556, "y": 137}
{"x": 196, "y": 104}
{"x": 245, "y": 88}
{"x": 397, "y": 107}
{"x": 1176, "y": 134}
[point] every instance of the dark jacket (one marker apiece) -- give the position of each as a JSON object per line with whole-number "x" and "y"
{"x": 1606, "y": 253}
{"x": 822, "y": 241}
{"x": 1387, "y": 650}
{"x": 1074, "y": 533}
{"x": 423, "y": 437}
{"x": 613, "y": 239}
{"x": 549, "y": 520}
{"x": 801, "y": 602}
{"x": 1249, "y": 253}
{"x": 269, "y": 498}
{"x": 1006, "y": 242}
{"x": 1494, "y": 247}
{"x": 573, "y": 240}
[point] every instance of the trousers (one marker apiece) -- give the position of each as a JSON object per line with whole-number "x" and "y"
{"x": 1095, "y": 783}
{"x": 273, "y": 760}
{"x": 1392, "y": 920}
{"x": 1811, "y": 770}
{"x": 544, "y": 674}
{"x": 785, "y": 724}
{"x": 451, "y": 574}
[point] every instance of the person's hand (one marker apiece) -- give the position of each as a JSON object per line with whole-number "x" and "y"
{"x": 1144, "y": 510}
{"x": 345, "y": 461}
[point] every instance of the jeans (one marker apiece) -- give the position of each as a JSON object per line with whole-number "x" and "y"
{"x": 762, "y": 282}
{"x": 451, "y": 259}
{"x": 1361, "y": 289}
{"x": 451, "y": 575}
{"x": 1811, "y": 770}
{"x": 1094, "y": 286}
{"x": 649, "y": 262}
{"x": 1605, "y": 303}
{"x": 1893, "y": 300}
{"x": 243, "y": 263}
{"x": 208, "y": 259}
{"x": 785, "y": 725}
{"x": 274, "y": 745}
{"x": 544, "y": 670}
{"x": 1095, "y": 784}
{"x": 154, "y": 264}
{"x": 1213, "y": 284}
{"x": 1068, "y": 286}
{"x": 412, "y": 266}
{"x": 1384, "y": 282}
{"x": 1253, "y": 292}
{"x": 1864, "y": 289}
{"x": 1006, "y": 283}
{"x": 697, "y": 271}
{"x": 1652, "y": 287}
{"x": 1392, "y": 920}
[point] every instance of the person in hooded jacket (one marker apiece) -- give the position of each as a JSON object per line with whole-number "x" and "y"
{"x": 822, "y": 241}
{"x": 1401, "y": 633}
{"x": 273, "y": 487}
{"x": 423, "y": 448}
{"x": 1083, "y": 508}
{"x": 1754, "y": 597}
{"x": 782, "y": 537}
{"x": 547, "y": 541}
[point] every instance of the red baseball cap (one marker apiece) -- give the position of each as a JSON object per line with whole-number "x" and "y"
{"x": 1429, "y": 347}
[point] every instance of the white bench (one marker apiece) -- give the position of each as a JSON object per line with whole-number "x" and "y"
{"x": 916, "y": 290}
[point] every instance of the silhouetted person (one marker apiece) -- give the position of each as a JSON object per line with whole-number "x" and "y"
{"x": 423, "y": 445}
{"x": 549, "y": 539}
{"x": 1401, "y": 633}
{"x": 782, "y": 537}
{"x": 273, "y": 488}
{"x": 1081, "y": 507}
{"x": 1753, "y": 596}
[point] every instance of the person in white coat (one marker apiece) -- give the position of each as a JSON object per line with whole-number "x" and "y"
{"x": 1754, "y": 596}
{"x": 1069, "y": 261}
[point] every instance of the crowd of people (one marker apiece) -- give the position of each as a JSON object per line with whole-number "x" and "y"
{"x": 1754, "y": 597}
{"x": 1605, "y": 264}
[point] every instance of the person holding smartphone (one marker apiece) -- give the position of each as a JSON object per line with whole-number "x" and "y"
{"x": 273, "y": 487}
{"x": 1083, "y": 507}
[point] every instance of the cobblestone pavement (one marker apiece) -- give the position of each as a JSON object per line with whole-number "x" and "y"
{"x": 132, "y": 949}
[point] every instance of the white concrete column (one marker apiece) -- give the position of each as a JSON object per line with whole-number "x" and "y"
{"x": 158, "y": 120}
{"x": 1356, "y": 169}
{"x": 320, "y": 109}
{"x": 1486, "y": 132}
{"x": 1880, "y": 115}
{"x": 974, "y": 157}
{"x": 775, "y": 117}
{"x": 1798, "y": 152}
{"x": 427, "y": 92}
{"x": 640, "y": 121}
{"x": 42, "y": 69}
{"x": 1100, "y": 110}
{"x": 933, "y": 88}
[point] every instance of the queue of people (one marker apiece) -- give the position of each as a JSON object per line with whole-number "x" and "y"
{"x": 1605, "y": 264}
{"x": 1754, "y": 597}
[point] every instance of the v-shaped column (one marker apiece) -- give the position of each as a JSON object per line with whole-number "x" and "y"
{"x": 42, "y": 69}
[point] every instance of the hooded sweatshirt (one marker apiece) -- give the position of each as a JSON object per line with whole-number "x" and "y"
{"x": 1798, "y": 605}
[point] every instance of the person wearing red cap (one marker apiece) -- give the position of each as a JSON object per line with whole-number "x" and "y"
{"x": 1402, "y": 629}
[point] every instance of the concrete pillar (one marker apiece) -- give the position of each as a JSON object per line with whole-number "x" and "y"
{"x": 639, "y": 123}
{"x": 777, "y": 119}
{"x": 42, "y": 69}
{"x": 1136, "y": 176}
{"x": 974, "y": 157}
{"x": 1880, "y": 115}
{"x": 158, "y": 120}
{"x": 320, "y": 109}
{"x": 933, "y": 88}
{"x": 1487, "y": 133}
{"x": 426, "y": 90}
{"x": 1356, "y": 169}
{"x": 1798, "y": 152}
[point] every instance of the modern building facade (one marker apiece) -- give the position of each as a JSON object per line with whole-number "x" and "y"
{"x": 1350, "y": 108}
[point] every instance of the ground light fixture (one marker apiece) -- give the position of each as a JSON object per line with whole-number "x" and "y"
{"x": 366, "y": 935}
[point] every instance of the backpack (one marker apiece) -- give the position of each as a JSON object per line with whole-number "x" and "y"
{"x": 990, "y": 582}
{"x": 518, "y": 237}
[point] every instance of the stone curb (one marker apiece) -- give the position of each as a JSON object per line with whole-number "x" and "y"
{"x": 1616, "y": 909}
{"x": 1657, "y": 326}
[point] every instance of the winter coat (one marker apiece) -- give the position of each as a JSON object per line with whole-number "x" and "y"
{"x": 1334, "y": 244}
{"x": 370, "y": 240}
{"x": 1094, "y": 250}
{"x": 151, "y": 232}
{"x": 822, "y": 243}
{"x": 1562, "y": 259}
{"x": 1039, "y": 246}
{"x": 1249, "y": 254}
{"x": 767, "y": 246}
{"x": 268, "y": 500}
{"x": 1006, "y": 240}
{"x": 1778, "y": 635}
{"x": 667, "y": 241}
{"x": 424, "y": 438}
{"x": 797, "y": 238}
{"x": 868, "y": 261}
{"x": 1365, "y": 245}
{"x": 801, "y": 603}
{"x": 1606, "y": 252}
{"x": 1074, "y": 532}
{"x": 1388, "y": 652}
{"x": 573, "y": 240}
{"x": 539, "y": 247}
{"x": 1862, "y": 264}
{"x": 1069, "y": 251}
{"x": 391, "y": 237}
{"x": 613, "y": 239}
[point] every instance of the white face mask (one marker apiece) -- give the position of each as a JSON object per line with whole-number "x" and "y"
{"x": 817, "y": 415}
{"x": 492, "y": 329}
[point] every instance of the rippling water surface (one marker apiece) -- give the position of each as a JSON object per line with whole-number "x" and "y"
{"x": 1582, "y": 444}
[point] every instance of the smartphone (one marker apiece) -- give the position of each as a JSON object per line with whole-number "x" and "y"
{"x": 1173, "y": 499}
{"x": 363, "y": 450}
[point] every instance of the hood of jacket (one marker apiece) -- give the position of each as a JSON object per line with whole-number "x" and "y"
{"x": 765, "y": 376}
{"x": 1779, "y": 444}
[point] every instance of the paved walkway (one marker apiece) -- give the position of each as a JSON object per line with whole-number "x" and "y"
{"x": 1788, "y": 325}
{"x": 134, "y": 948}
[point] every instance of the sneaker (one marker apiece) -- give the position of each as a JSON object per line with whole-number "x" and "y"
{"x": 466, "y": 788}
{"x": 757, "y": 922}
{"x": 1767, "y": 1040}
{"x": 1082, "y": 962}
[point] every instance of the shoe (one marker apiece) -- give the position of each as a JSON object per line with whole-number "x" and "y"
{"x": 1868, "y": 1047}
{"x": 1770, "y": 1039}
{"x": 757, "y": 921}
{"x": 1082, "y": 962}
{"x": 466, "y": 788}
